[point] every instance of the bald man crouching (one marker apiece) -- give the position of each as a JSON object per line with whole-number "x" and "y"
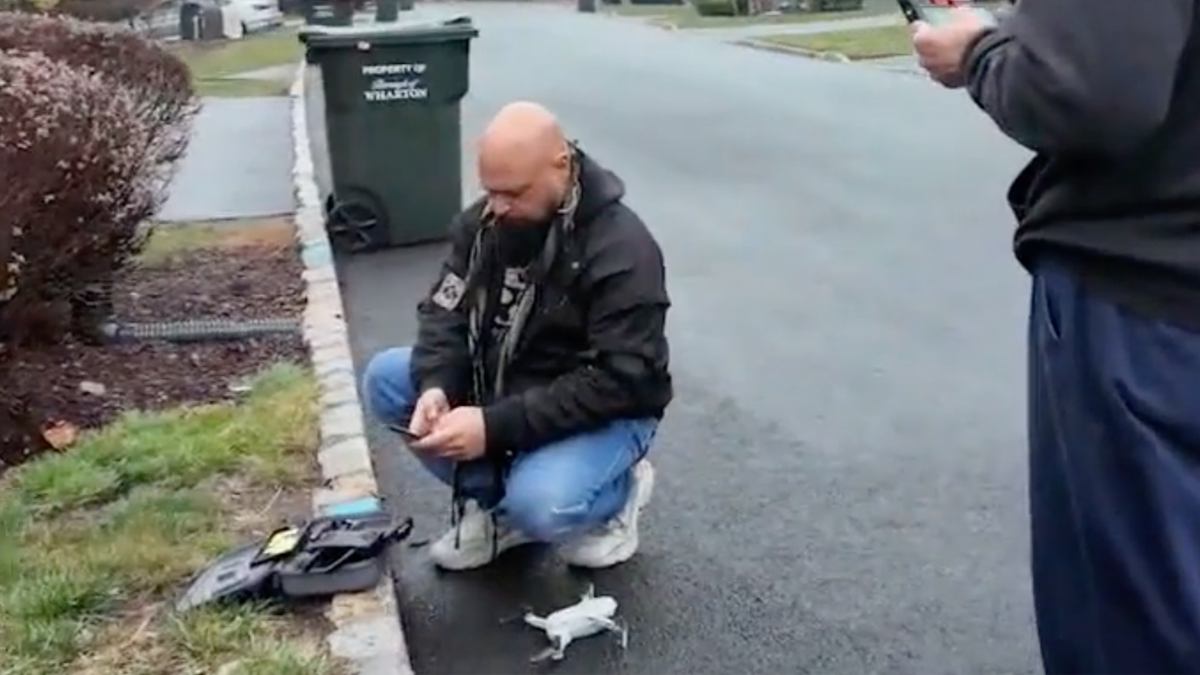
{"x": 540, "y": 370}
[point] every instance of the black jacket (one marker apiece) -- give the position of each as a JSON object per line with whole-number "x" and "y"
{"x": 1107, "y": 92}
{"x": 593, "y": 349}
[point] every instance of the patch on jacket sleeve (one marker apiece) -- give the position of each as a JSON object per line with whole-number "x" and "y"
{"x": 450, "y": 292}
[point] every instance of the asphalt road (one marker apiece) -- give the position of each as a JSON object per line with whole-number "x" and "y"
{"x": 842, "y": 476}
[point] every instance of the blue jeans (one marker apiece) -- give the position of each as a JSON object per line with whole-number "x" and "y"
{"x": 552, "y": 493}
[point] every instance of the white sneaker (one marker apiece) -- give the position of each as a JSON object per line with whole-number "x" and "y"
{"x": 476, "y": 546}
{"x": 617, "y": 540}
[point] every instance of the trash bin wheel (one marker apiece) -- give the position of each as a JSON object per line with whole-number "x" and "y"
{"x": 354, "y": 223}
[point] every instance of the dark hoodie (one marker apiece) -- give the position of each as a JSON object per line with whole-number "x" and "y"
{"x": 1107, "y": 92}
{"x": 592, "y": 348}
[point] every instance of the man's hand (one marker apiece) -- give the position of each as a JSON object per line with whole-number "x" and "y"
{"x": 941, "y": 48}
{"x": 430, "y": 407}
{"x": 459, "y": 435}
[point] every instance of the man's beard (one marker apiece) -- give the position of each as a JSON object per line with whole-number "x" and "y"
{"x": 511, "y": 224}
{"x": 523, "y": 237}
{"x": 526, "y": 222}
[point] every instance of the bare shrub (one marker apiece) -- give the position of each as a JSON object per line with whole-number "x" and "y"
{"x": 103, "y": 10}
{"x": 162, "y": 85}
{"x": 164, "y": 104}
{"x": 74, "y": 172}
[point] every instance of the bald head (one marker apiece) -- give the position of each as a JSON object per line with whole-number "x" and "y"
{"x": 522, "y": 129}
{"x": 524, "y": 162}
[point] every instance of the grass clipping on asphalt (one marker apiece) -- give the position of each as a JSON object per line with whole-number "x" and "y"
{"x": 215, "y": 65}
{"x": 96, "y": 541}
{"x": 857, "y": 45}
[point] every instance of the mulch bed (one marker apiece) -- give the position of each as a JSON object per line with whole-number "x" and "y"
{"x": 88, "y": 386}
{"x": 246, "y": 282}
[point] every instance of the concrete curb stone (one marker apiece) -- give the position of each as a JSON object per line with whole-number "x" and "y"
{"x": 794, "y": 51}
{"x": 834, "y": 57}
{"x": 366, "y": 626}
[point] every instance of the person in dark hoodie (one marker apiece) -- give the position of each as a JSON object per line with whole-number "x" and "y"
{"x": 540, "y": 370}
{"x": 1107, "y": 94}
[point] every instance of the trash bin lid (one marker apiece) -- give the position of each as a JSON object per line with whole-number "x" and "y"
{"x": 412, "y": 31}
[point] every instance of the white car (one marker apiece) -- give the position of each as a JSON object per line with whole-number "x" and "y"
{"x": 254, "y": 15}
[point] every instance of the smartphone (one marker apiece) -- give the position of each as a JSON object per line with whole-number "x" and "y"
{"x": 937, "y": 11}
{"x": 408, "y": 436}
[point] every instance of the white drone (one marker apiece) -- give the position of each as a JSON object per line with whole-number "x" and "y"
{"x": 588, "y": 617}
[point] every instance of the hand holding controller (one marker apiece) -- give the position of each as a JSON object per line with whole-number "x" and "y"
{"x": 939, "y": 12}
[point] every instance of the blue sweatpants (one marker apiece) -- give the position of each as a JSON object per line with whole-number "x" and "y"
{"x": 1114, "y": 485}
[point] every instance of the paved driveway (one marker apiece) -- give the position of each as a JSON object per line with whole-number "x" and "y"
{"x": 239, "y": 163}
{"x": 842, "y": 484}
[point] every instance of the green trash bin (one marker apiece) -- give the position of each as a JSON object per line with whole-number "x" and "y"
{"x": 328, "y": 12}
{"x": 393, "y": 127}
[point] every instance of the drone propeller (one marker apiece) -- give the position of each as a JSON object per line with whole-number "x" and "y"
{"x": 623, "y": 633}
{"x": 555, "y": 651}
{"x": 544, "y": 655}
{"x": 519, "y": 616}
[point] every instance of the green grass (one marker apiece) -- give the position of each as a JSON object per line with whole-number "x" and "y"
{"x": 214, "y": 65}
{"x": 645, "y": 10}
{"x": 241, "y": 88}
{"x": 94, "y": 540}
{"x": 685, "y": 16}
{"x": 857, "y": 45}
{"x": 169, "y": 240}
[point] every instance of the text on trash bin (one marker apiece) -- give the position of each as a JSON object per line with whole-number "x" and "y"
{"x": 394, "y": 82}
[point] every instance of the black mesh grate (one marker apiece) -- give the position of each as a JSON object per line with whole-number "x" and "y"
{"x": 200, "y": 330}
